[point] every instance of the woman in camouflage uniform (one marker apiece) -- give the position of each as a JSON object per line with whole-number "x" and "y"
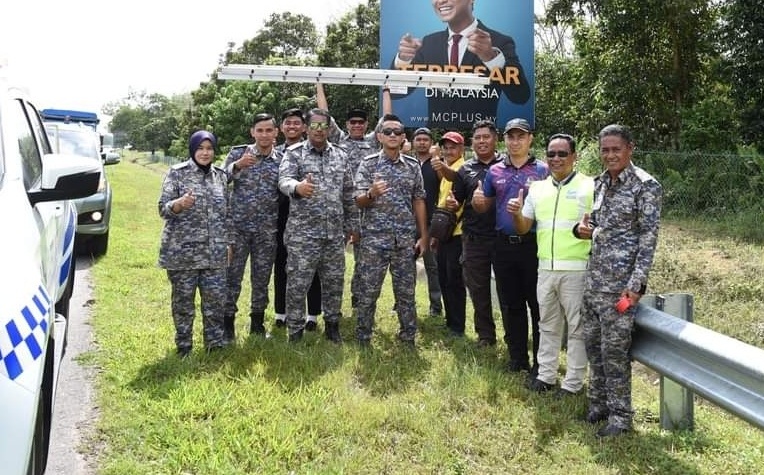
{"x": 195, "y": 247}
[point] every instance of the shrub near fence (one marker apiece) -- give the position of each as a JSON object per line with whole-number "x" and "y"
{"x": 725, "y": 191}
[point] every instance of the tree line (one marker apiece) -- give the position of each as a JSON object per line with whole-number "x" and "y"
{"x": 685, "y": 75}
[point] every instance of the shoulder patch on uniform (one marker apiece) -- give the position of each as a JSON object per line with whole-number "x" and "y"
{"x": 410, "y": 158}
{"x": 372, "y": 156}
{"x": 180, "y": 165}
{"x": 295, "y": 146}
{"x": 642, "y": 175}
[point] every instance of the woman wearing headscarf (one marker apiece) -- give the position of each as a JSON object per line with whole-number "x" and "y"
{"x": 195, "y": 242}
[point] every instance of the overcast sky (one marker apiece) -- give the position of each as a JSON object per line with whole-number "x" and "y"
{"x": 86, "y": 53}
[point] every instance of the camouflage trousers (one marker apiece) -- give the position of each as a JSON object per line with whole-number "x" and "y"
{"x": 373, "y": 264}
{"x": 607, "y": 334}
{"x": 305, "y": 258}
{"x": 260, "y": 248}
{"x": 212, "y": 289}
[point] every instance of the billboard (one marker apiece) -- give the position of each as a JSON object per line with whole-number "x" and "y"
{"x": 488, "y": 37}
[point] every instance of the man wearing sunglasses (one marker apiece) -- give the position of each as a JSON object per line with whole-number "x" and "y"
{"x": 316, "y": 176}
{"x": 556, "y": 205}
{"x": 390, "y": 190}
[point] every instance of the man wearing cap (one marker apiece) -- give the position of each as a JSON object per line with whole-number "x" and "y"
{"x": 293, "y": 129}
{"x": 390, "y": 190}
{"x": 422, "y": 143}
{"x": 254, "y": 171}
{"x": 449, "y": 253}
{"x": 478, "y": 229}
{"x": 317, "y": 178}
{"x": 515, "y": 262}
{"x": 556, "y": 205}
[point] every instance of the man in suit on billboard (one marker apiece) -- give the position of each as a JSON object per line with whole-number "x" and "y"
{"x": 468, "y": 46}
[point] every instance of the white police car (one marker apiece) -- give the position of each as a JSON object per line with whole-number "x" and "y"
{"x": 36, "y": 276}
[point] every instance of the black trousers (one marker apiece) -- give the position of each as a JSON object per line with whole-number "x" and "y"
{"x": 451, "y": 282}
{"x": 477, "y": 256}
{"x": 515, "y": 265}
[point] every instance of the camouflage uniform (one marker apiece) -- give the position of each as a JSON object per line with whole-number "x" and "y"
{"x": 316, "y": 227}
{"x": 254, "y": 204}
{"x": 356, "y": 151}
{"x": 388, "y": 235}
{"x": 625, "y": 216}
{"x": 194, "y": 250}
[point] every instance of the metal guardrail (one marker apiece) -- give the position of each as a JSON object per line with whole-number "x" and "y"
{"x": 720, "y": 369}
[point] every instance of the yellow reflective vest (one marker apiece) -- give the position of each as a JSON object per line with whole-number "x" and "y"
{"x": 557, "y": 208}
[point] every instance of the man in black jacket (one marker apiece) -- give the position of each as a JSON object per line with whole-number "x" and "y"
{"x": 466, "y": 45}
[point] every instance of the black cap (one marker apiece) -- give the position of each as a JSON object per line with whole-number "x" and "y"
{"x": 422, "y": 131}
{"x": 518, "y": 123}
{"x": 357, "y": 114}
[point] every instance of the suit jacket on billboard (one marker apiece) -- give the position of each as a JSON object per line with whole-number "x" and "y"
{"x": 460, "y": 108}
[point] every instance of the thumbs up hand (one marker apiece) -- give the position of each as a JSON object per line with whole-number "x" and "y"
{"x": 307, "y": 187}
{"x": 515, "y": 205}
{"x": 451, "y": 202}
{"x": 187, "y": 200}
{"x": 478, "y": 197}
{"x": 437, "y": 163}
{"x": 585, "y": 228}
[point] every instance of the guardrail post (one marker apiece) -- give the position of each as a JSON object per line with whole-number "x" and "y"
{"x": 676, "y": 401}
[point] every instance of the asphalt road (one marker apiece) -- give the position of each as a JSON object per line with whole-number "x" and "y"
{"x": 72, "y": 449}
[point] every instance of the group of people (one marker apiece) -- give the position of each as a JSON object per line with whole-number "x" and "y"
{"x": 563, "y": 247}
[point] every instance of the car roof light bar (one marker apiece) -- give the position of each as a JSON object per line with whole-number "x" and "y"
{"x": 366, "y": 77}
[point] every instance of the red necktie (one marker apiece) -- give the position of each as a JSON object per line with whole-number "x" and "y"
{"x": 454, "y": 60}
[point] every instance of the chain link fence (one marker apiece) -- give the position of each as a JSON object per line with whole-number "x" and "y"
{"x": 725, "y": 191}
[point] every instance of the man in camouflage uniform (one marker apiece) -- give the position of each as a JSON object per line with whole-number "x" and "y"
{"x": 322, "y": 214}
{"x": 293, "y": 128}
{"x": 390, "y": 190}
{"x": 623, "y": 228}
{"x": 357, "y": 144}
{"x": 254, "y": 171}
{"x": 195, "y": 242}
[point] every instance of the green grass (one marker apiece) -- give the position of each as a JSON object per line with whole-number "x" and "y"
{"x": 447, "y": 407}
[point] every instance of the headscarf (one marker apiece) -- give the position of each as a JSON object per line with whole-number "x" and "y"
{"x": 195, "y": 141}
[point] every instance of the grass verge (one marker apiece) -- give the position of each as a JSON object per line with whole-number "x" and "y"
{"x": 315, "y": 408}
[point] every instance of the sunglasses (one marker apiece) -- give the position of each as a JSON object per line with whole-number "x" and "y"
{"x": 557, "y": 153}
{"x": 389, "y": 131}
{"x": 356, "y": 122}
{"x": 318, "y": 125}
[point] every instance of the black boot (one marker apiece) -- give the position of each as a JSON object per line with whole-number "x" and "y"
{"x": 256, "y": 326}
{"x": 229, "y": 333}
{"x": 332, "y": 332}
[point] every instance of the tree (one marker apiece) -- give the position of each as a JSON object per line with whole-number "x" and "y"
{"x": 353, "y": 42}
{"x": 643, "y": 62}
{"x": 147, "y": 121}
{"x": 742, "y": 42}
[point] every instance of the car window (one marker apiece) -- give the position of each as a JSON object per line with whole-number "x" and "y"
{"x": 81, "y": 141}
{"x": 21, "y": 135}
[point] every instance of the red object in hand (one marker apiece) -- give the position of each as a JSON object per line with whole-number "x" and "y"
{"x": 623, "y": 304}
